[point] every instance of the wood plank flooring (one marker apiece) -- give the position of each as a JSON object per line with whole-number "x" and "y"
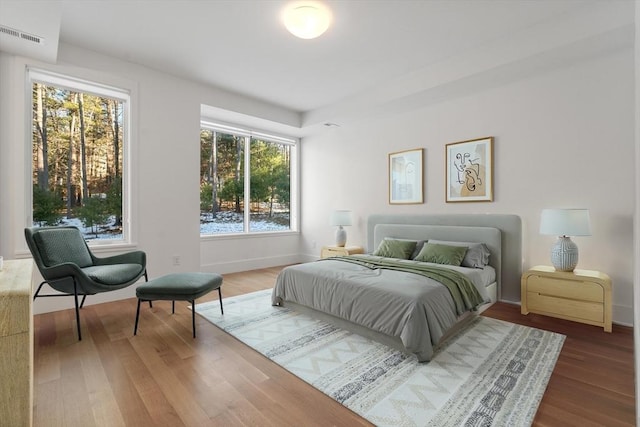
{"x": 163, "y": 377}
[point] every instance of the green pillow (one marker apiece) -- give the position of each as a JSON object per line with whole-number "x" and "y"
{"x": 442, "y": 254}
{"x": 396, "y": 248}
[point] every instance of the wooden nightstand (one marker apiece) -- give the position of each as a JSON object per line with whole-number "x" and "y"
{"x": 329, "y": 251}
{"x": 581, "y": 295}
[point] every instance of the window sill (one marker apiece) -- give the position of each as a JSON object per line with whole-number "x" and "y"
{"x": 96, "y": 249}
{"x": 240, "y": 236}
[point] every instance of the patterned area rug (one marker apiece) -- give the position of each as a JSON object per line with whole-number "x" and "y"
{"x": 491, "y": 373}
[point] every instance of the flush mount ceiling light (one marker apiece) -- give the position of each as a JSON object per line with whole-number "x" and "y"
{"x": 307, "y": 19}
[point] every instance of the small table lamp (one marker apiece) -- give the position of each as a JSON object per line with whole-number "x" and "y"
{"x": 564, "y": 223}
{"x": 340, "y": 218}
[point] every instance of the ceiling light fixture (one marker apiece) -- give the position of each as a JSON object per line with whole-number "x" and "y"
{"x": 307, "y": 19}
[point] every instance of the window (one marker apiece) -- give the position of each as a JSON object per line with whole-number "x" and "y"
{"x": 79, "y": 149}
{"x": 238, "y": 199}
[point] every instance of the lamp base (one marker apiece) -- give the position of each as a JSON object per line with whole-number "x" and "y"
{"x": 564, "y": 254}
{"x": 341, "y": 237}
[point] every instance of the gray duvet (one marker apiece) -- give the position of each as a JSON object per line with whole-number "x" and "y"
{"x": 416, "y": 309}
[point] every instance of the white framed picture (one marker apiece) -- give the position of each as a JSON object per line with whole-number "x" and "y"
{"x": 469, "y": 170}
{"x": 406, "y": 177}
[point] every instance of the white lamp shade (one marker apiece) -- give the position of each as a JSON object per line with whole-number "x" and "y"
{"x": 565, "y": 222}
{"x": 340, "y": 217}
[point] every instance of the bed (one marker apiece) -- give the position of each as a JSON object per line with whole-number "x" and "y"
{"x": 407, "y": 304}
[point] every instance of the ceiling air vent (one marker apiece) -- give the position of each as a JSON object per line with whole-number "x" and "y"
{"x": 21, "y": 34}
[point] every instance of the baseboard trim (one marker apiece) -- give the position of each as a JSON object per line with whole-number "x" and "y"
{"x": 621, "y": 314}
{"x": 48, "y": 304}
{"x": 226, "y": 267}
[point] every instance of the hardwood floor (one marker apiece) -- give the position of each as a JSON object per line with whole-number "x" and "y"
{"x": 163, "y": 377}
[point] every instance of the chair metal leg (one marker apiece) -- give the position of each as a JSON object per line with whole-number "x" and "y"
{"x": 193, "y": 316}
{"x": 135, "y": 328}
{"x": 220, "y": 298}
{"x": 75, "y": 297}
{"x": 146, "y": 279}
{"x": 38, "y": 290}
{"x": 173, "y": 307}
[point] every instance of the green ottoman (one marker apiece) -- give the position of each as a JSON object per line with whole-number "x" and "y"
{"x": 179, "y": 287}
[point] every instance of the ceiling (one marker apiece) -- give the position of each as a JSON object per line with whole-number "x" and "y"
{"x": 243, "y": 47}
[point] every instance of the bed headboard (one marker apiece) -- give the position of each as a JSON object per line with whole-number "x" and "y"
{"x": 491, "y": 236}
{"x": 501, "y": 233}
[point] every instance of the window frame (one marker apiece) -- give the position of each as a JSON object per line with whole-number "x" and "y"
{"x": 248, "y": 133}
{"x": 124, "y": 93}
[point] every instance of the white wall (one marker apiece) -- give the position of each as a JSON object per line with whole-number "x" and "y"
{"x": 564, "y": 138}
{"x": 636, "y": 234}
{"x": 165, "y": 169}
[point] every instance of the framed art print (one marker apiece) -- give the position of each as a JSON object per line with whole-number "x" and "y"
{"x": 405, "y": 177}
{"x": 469, "y": 171}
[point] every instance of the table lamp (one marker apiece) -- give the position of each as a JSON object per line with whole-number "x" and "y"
{"x": 564, "y": 223}
{"x": 340, "y": 218}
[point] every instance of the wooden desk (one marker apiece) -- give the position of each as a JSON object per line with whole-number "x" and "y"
{"x": 16, "y": 343}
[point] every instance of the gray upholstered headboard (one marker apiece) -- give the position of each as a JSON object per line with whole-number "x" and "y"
{"x": 491, "y": 236}
{"x": 506, "y": 244}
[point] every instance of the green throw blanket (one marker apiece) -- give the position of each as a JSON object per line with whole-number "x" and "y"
{"x": 464, "y": 293}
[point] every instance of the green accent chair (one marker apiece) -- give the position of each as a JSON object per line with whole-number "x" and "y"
{"x": 68, "y": 266}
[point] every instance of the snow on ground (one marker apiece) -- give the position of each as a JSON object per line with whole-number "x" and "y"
{"x": 225, "y": 223}
{"x": 231, "y": 222}
{"x": 88, "y": 233}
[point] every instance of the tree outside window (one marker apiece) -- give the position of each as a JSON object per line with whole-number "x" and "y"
{"x": 234, "y": 199}
{"x": 77, "y": 157}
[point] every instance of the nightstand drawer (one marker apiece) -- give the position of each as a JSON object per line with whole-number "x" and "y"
{"x": 331, "y": 251}
{"x": 580, "y": 295}
{"x": 581, "y": 291}
{"x": 567, "y": 308}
